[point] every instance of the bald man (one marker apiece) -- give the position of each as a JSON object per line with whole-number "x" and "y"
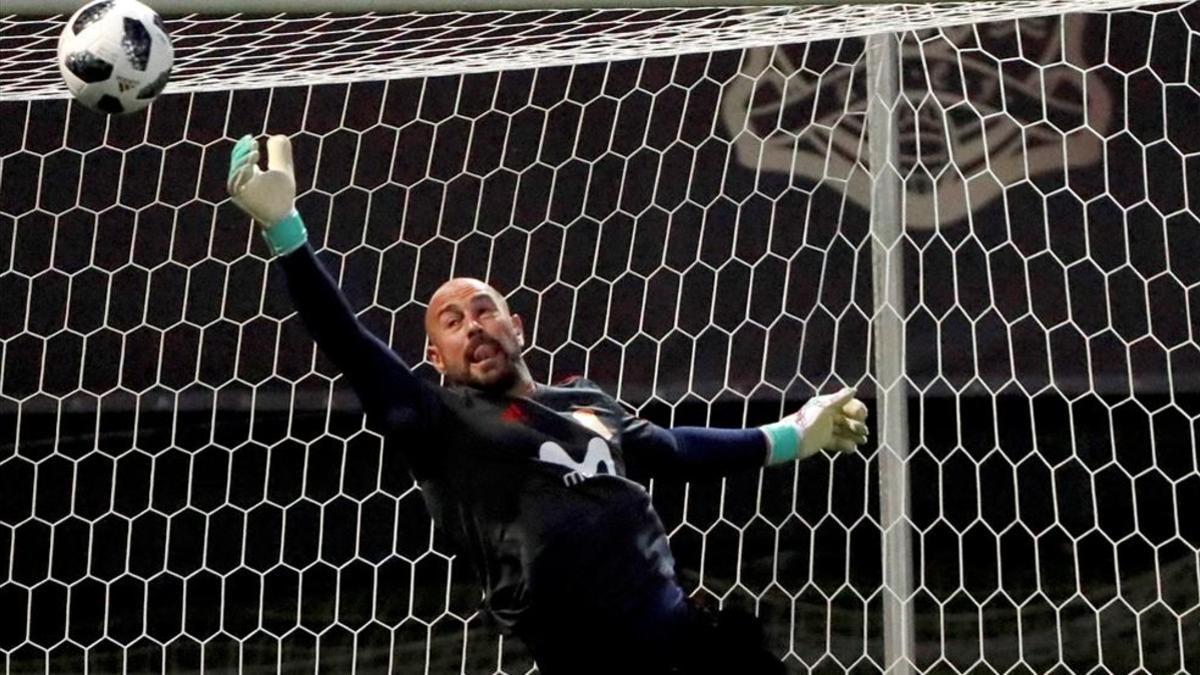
{"x": 534, "y": 483}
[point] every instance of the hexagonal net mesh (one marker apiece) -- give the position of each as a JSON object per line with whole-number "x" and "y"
{"x": 188, "y": 483}
{"x": 221, "y": 53}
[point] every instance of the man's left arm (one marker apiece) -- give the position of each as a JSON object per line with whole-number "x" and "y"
{"x": 832, "y": 422}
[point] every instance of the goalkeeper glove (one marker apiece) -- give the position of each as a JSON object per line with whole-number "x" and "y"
{"x": 267, "y": 196}
{"x": 831, "y": 422}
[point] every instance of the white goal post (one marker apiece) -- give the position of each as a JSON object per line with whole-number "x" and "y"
{"x": 982, "y": 214}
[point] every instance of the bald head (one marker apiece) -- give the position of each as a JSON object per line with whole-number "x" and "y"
{"x": 456, "y": 290}
{"x": 474, "y": 339}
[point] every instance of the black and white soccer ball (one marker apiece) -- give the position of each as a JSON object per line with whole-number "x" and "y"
{"x": 115, "y": 55}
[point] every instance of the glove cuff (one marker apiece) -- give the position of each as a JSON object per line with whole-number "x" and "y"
{"x": 783, "y": 439}
{"x": 287, "y": 235}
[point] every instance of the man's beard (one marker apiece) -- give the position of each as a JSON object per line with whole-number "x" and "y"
{"x": 501, "y": 383}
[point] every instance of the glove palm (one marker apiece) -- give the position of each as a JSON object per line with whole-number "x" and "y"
{"x": 267, "y": 196}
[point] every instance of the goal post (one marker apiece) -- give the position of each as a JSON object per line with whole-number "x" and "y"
{"x": 986, "y": 220}
{"x": 891, "y": 392}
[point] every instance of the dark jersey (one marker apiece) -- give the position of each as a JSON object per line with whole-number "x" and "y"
{"x": 534, "y": 490}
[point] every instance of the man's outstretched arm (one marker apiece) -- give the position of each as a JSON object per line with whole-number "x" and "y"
{"x": 832, "y": 422}
{"x": 390, "y": 394}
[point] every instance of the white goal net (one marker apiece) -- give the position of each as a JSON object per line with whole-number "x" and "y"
{"x": 186, "y": 484}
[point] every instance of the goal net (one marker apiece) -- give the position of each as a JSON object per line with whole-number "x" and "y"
{"x": 685, "y": 206}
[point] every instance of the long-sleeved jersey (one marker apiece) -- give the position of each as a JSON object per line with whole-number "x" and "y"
{"x": 533, "y": 490}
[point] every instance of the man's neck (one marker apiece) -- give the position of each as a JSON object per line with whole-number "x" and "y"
{"x": 524, "y": 384}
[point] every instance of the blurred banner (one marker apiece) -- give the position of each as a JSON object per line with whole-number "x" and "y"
{"x": 1044, "y": 165}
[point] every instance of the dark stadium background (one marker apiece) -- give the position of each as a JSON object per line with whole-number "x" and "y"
{"x": 211, "y": 490}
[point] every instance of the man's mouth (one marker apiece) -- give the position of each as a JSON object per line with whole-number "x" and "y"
{"x": 484, "y": 351}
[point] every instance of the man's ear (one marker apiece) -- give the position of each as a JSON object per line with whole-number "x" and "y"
{"x": 519, "y": 328}
{"x": 435, "y": 357}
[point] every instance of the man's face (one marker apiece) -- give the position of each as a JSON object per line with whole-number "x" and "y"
{"x": 473, "y": 339}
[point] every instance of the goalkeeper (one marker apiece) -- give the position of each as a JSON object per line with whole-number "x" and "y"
{"x": 530, "y": 481}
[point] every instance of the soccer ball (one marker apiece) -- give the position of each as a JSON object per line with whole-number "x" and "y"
{"x": 115, "y": 55}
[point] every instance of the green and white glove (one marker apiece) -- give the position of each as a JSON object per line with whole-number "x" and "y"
{"x": 268, "y": 196}
{"x": 830, "y": 422}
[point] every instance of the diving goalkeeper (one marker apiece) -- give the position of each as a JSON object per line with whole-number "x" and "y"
{"x": 531, "y": 482}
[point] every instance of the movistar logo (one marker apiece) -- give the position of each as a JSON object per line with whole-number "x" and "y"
{"x": 597, "y": 460}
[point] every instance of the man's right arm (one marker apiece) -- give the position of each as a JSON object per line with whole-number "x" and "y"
{"x": 391, "y": 395}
